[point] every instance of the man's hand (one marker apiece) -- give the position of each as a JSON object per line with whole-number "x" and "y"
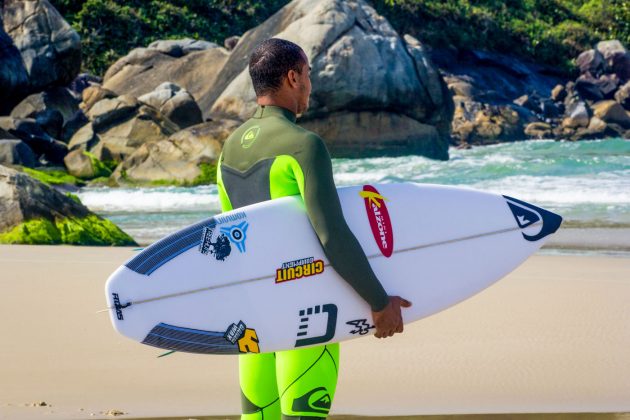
{"x": 389, "y": 320}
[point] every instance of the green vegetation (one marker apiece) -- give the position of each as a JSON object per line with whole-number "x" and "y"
{"x": 548, "y": 31}
{"x": 110, "y": 29}
{"x": 73, "y": 197}
{"x": 91, "y": 230}
{"x": 101, "y": 169}
{"x": 53, "y": 177}
{"x": 552, "y": 32}
{"x": 208, "y": 174}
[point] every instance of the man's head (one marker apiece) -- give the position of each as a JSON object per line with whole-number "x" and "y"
{"x": 280, "y": 73}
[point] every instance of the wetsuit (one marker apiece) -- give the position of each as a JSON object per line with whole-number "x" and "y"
{"x": 268, "y": 157}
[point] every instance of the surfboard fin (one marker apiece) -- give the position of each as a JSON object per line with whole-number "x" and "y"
{"x": 168, "y": 353}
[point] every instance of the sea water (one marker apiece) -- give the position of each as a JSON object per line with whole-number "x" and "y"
{"x": 586, "y": 182}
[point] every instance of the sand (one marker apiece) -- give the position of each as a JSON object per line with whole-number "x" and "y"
{"x": 552, "y": 337}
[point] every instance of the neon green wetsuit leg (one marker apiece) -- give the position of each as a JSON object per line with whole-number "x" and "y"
{"x": 259, "y": 392}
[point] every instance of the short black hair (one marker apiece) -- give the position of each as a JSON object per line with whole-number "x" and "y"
{"x": 271, "y": 61}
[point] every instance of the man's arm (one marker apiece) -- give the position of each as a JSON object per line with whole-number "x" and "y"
{"x": 324, "y": 211}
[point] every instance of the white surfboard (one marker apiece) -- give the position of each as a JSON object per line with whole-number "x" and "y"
{"x": 256, "y": 279}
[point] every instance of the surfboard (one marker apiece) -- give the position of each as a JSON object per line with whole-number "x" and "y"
{"x": 256, "y": 279}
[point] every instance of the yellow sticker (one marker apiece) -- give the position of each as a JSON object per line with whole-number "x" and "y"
{"x": 373, "y": 197}
{"x": 249, "y": 342}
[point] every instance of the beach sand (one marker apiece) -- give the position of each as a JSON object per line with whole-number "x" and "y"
{"x": 552, "y": 337}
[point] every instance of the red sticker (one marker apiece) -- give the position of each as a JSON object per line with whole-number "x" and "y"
{"x": 380, "y": 222}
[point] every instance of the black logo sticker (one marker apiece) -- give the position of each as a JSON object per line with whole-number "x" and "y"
{"x": 361, "y": 326}
{"x": 330, "y": 311}
{"x": 118, "y": 307}
{"x": 315, "y": 401}
{"x": 220, "y": 248}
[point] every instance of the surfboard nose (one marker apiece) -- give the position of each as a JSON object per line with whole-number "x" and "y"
{"x": 527, "y": 214}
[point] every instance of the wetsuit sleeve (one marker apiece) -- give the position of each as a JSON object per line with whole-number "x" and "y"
{"x": 324, "y": 211}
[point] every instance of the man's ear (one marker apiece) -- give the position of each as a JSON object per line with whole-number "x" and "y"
{"x": 292, "y": 78}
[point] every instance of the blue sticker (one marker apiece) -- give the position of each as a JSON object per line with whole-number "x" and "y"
{"x": 237, "y": 234}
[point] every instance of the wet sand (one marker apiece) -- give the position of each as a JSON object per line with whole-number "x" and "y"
{"x": 552, "y": 337}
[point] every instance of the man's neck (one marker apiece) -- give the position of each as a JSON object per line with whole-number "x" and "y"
{"x": 276, "y": 100}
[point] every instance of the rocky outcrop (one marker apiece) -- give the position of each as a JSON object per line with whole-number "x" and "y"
{"x": 174, "y": 103}
{"x": 47, "y": 149}
{"x": 188, "y": 157}
{"x": 193, "y": 65}
{"x": 392, "y": 78}
{"x": 50, "y": 49}
{"x": 16, "y": 152}
{"x": 33, "y": 213}
{"x": 57, "y": 98}
{"x": 13, "y": 75}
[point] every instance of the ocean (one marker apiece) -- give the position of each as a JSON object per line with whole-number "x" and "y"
{"x": 586, "y": 182}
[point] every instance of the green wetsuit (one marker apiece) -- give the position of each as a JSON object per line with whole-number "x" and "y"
{"x": 268, "y": 157}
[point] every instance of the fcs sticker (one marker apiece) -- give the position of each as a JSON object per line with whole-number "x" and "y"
{"x": 329, "y": 311}
{"x": 527, "y": 215}
{"x": 380, "y": 221}
{"x": 297, "y": 269}
{"x": 237, "y": 235}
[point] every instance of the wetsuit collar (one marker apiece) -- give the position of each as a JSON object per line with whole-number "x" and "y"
{"x": 264, "y": 111}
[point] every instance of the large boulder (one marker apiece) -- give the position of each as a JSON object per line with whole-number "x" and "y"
{"x": 56, "y": 98}
{"x": 617, "y": 58}
{"x": 612, "y": 112}
{"x": 50, "y": 48}
{"x": 577, "y": 116}
{"x": 360, "y": 65}
{"x": 188, "y": 157}
{"x": 623, "y": 96}
{"x": 174, "y": 103}
{"x": 16, "y": 152}
{"x": 144, "y": 69}
{"x": 591, "y": 62}
{"x": 13, "y": 75}
{"x": 34, "y": 213}
{"x": 44, "y": 146}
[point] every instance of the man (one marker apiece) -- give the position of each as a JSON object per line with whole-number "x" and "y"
{"x": 268, "y": 157}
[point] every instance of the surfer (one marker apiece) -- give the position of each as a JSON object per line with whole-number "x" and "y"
{"x": 268, "y": 157}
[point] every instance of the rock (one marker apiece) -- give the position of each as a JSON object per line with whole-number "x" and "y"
{"x": 588, "y": 89}
{"x": 378, "y": 133}
{"x": 578, "y": 116}
{"x": 591, "y": 62}
{"x": 390, "y": 75}
{"x": 94, "y": 94}
{"x": 106, "y": 112}
{"x": 620, "y": 65}
{"x": 612, "y": 112}
{"x": 478, "y": 123}
{"x": 596, "y": 129}
{"x": 549, "y": 109}
{"x": 84, "y": 165}
{"x": 558, "y": 93}
{"x": 174, "y": 103}
{"x": 84, "y": 81}
{"x": 610, "y": 48}
{"x": 83, "y": 139}
{"x": 179, "y": 159}
{"x": 50, "y": 48}
{"x": 51, "y": 121}
{"x": 460, "y": 88}
{"x": 608, "y": 84}
{"x": 56, "y": 98}
{"x": 13, "y": 75}
{"x": 531, "y": 102}
{"x": 16, "y": 152}
{"x": 118, "y": 141}
{"x": 37, "y": 139}
{"x": 143, "y": 69}
{"x": 231, "y": 42}
{"x": 180, "y": 47}
{"x": 539, "y": 130}
{"x": 623, "y": 96}
{"x": 73, "y": 125}
{"x": 34, "y": 213}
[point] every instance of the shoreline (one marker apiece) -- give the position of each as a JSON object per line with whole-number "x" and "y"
{"x": 551, "y": 337}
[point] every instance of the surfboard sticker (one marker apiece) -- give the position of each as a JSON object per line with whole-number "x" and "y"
{"x": 380, "y": 221}
{"x": 316, "y": 314}
{"x": 293, "y": 270}
{"x": 527, "y": 214}
{"x": 236, "y": 339}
